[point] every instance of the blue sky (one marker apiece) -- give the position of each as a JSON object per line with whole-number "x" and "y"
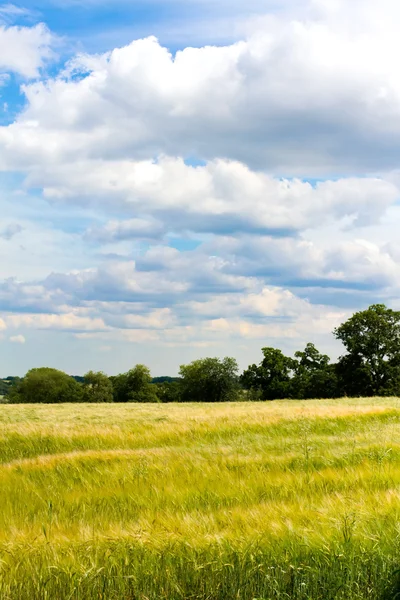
{"x": 187, "y": 179}
{"x": 97, "y": 26}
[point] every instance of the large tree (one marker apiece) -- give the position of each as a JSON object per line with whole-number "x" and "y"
{"x": 371, "y": 366}
{"x": 210, "y": 380}
{"x": 313, "y": 376}
{"x": 272, "y": 377}
{"x": 48, "y": 386}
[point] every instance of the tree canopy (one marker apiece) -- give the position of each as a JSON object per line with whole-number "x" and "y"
{"x": 210, "y": 380}
{"x": 372, "y": 363}
{"x": 272, "y": 377}
{"x": 134, "y": 386}
{"x": 48, "y": 386}
{"x": 97, "y": 387}
{"x": 313, "y": 376}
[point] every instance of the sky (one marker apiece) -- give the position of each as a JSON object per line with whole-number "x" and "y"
{"x": 191, "y": 178}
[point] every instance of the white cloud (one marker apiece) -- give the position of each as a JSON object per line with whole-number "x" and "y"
{"x": 67, "y": 321}
{"x": 25, "y": 50}
{"x": 293, "y": 320}
{"x": 110, "y": 142}
{"x": 220, "y": 196}
{"x": 17, "y": 339}
{"x": 316, "y": 93}
{"x": 248, "y": 287}
{"x": 127, "y": 230}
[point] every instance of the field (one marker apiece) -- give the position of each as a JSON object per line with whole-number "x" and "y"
{"x": 234, "y": 501}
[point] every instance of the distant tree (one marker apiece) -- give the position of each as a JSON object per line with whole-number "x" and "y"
{"x": 272, "y": 377}
{"x": 4, "y": 387}
{"x": 10, "y": 390}
{"x": 169, "y": 390}
{"x": 7, "y": 384}
{"x": 97, "y": 387}
{"x": 119, "y": 387}
{"x": 134, "y": 386}
{"x": 313, "y": 376}
{"x": 371, "y": 366}
{"x": 12, "y": 379}
{"x": 210, "y": 380}
{"x": 140, "y": 388}
{"x": 48, "y": 386}
{"x": 165, "y": 379}
{"x": 251, "y": 381}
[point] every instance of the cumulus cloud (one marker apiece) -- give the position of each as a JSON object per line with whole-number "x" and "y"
{"x": 25, "y": 50}
{"x": 298, "y": 262}
{"x": 247, "y": 279}
{"x": 222, "y": 196}
{"x": 316, "y": 92}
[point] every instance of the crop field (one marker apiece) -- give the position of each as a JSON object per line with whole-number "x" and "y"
{"x": 202, "y": 502}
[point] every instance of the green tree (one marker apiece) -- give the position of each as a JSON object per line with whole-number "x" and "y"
{"x": 271, "y": 379}
{"x": 251, "y": 381}
{"x": 134, "y": 386}
{"x": 371, "y": 366}
{"x": 4, "y": 387}
{"x": 210, "y": 380}
{"x": 169, "y": 390}
{"x": 97, "y": 387}
{"x": 47, "y": 386}
{"x": 165, "y": 379}
{"x": 313, "y": 376}
{"x": 354, "y": 377}
{"x": 119, "y": 387}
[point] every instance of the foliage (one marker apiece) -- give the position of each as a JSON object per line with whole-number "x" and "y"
{"x": 97, "y": 387}
{"x": 372, "y": 340}
{"x": 7, "y": 384}
{"x": 4, "y": 387}
{"x": 165, "y": 379}
{"x": 47, "y": 386}
{"x": 272, "y": 378}
{"x": 210, "y": 380}
{"x": 119, "y": 386}
{"x": 169, "y": 390}
{"x": 134, "y": 386}
{"x": 313, "y": 376}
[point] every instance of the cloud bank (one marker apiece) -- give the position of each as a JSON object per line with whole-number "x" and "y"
{"x": 243, "y": 194}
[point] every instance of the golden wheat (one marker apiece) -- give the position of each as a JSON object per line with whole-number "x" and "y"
{"x": 241, "y": 500}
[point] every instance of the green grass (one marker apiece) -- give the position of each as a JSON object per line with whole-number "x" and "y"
{"x": 202, "y": 502}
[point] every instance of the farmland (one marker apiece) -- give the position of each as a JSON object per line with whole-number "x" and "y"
{"x": 200, "y": 501}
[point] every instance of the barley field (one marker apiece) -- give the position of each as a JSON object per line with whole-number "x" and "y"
{"x": 246, "y": 501}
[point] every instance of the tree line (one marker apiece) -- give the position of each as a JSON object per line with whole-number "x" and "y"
{"x": 369, "y": 367}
